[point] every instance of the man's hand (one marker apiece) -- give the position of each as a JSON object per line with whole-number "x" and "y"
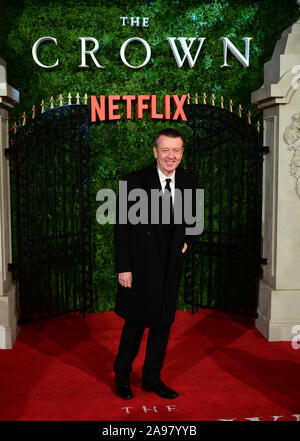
{"x": 125, "y": 279}
{"x": 184, "y": 248}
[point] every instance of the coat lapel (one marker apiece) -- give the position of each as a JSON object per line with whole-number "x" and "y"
{"x": 152, "y": 177}
{"x": 180, "y": 186}
{"x": 153, "y": 182}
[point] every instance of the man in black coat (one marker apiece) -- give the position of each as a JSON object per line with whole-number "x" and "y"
{"x": 149, "y": 259}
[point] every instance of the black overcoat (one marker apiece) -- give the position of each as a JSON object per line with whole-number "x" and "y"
{"x": 153, "y": 256}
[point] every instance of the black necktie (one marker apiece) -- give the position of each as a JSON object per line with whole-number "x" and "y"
{"x": 168, "y": 188}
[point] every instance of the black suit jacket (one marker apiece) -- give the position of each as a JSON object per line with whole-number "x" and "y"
{"x": 153, "y": 255}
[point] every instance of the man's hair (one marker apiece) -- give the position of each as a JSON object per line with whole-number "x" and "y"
{"x": 171, "y": 133}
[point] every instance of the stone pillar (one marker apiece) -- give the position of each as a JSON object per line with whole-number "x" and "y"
{"x": 8, "y": 298}
{"x": 279, "y": 97}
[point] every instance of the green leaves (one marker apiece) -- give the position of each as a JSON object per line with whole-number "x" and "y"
{"x": 118, "y": 147}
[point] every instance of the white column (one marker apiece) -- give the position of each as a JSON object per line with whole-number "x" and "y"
{"x": 8, "y": 300}
{"x": 279, "y": 97}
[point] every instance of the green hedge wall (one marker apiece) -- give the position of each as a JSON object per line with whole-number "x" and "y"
{"x": 118, "y": 147}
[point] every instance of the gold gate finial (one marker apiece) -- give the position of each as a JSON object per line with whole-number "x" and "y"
{"x": 188, "y": 99}
{"x": 69, "y": 98}
{"x": 14, "y": 127}
{"x": 249, "y": 116}
{"x": 213, "y": 99}
{"x": 77, "y": 98}
{"x": 52, "y": 102}
{"x": 24, "y": 119}
{"x": 222, "y": 102}
{"x": 258, "y": 126}
{"x": 240, "y": 110}
{"x": 204, "y": 98}
{"x": 230, "y": 105}
{"x": 43, "y": 106}
{"x": 60, "y": 100}
{"x": 196, "y": 98}
{"x": 85, "y": 98}
{"x": 33, "y": 111}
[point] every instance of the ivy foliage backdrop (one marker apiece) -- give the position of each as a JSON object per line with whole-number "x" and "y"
{"x": 118, "y": 147}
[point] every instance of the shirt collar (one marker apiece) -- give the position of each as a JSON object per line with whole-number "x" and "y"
{"x": 163, "y": 176}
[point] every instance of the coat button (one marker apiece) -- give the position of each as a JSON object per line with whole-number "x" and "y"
{"x": 148, "y": 232}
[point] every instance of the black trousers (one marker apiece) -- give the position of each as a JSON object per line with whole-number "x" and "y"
{"x": 132, "y": 334}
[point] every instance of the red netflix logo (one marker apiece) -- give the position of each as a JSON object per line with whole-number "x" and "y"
{"x": 107, "y": 108}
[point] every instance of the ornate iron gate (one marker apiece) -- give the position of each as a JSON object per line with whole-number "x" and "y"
{"x": 225, "y": 156}
{"x": 49, "y": 165}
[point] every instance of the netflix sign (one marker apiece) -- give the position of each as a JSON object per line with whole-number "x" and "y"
{"x": 107, "y": 108}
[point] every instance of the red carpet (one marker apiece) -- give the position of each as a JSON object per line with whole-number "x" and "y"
{"x": 221, "y": 366}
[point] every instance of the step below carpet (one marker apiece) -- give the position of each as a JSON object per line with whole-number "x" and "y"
{"x": 220, "y": 364}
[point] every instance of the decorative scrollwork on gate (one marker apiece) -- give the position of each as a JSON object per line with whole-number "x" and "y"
{"x": 49, "y": 163}
{"x": 225, "y": 155}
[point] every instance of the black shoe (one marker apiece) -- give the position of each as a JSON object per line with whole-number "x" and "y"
{"x": 123, "y": 389}
{"x": 160, "y": 389}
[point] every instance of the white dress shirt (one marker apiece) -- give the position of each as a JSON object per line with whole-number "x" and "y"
{"x": 163, "y": 177}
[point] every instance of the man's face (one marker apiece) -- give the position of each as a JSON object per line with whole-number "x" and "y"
{"x": 168, "y": 154}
